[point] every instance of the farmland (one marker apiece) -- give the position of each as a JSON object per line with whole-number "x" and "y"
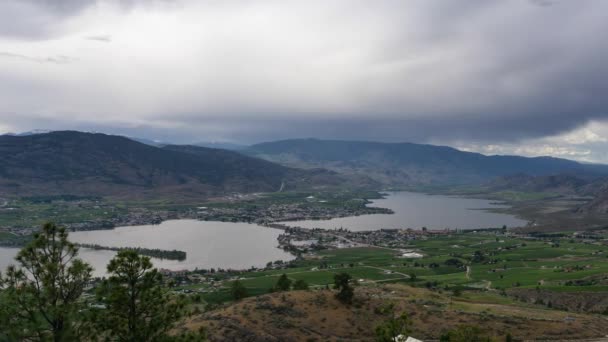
{"x": 475, "y": 262}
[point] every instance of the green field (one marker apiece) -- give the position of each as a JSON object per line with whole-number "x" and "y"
{"x": 505, "y": 263}
{"x": 28, "y": 213}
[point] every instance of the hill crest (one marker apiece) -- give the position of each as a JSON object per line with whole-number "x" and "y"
{"x": 410, "y": 164}
{"x": 71, "y": 162}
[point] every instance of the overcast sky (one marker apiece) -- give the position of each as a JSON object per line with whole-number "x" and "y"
{"x": 497, "y": 76}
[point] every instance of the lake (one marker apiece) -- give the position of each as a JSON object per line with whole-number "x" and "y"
{"x": 241, "y": 245}
{"x": 208, "y": 244}
{"x": 417, "y": 210}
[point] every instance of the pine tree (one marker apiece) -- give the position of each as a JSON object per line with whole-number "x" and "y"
{"x": 283, "y": 284}
{"x": 40, "y": 297}
{"x": 138, "y": 306}
{"x": 238, "y": 290}
{"x": 300, "y": 284}
{"x": 345, "y": 291}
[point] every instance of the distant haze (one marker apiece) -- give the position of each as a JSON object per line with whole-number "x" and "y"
{"x": 500, "y": 77}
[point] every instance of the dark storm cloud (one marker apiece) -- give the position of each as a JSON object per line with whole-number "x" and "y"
{"x": 37, "y": 19}
{"x": 479, "y": 70}
{"x": 42, "y": 19}
{"x": 418, "y": 129}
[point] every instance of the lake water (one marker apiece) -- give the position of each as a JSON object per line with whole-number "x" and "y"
{"x": 96, "y": 258}
{"x": 240, "y": 245}
{"x": 417, "y": 210}
{"x": 207, "y": 244}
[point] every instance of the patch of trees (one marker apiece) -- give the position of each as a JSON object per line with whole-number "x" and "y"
{"x": 453, "y": 262}
{"x": 238, "y": 290}
{"x": 466, "y": 333}
{"x": 547, "y": 235}
{"x": 345, "y": 291}
{"x": 581, "y": 282}
{"x": 285, "y": 284}
{"x": 53, "y": 198}
{"x": 431, "y": 284}
{"x": 15, "y": 240}
{"x": 300, "y": 285}
{"x": 395, "y": 327}
{"x": 478, "y": 257}
{"x": 154, "y": 253}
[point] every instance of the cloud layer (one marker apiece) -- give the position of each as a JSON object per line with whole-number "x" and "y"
{"x": 481, "y": 72}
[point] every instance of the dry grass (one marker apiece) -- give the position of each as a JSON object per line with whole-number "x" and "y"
{"x": 318, "y": 316}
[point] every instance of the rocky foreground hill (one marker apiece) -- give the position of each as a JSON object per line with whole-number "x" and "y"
{"x": 317, "y": 316}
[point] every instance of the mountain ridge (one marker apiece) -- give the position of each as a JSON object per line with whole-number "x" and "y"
{"x": 411, "y": 164}
{"x": 71, "y": 162}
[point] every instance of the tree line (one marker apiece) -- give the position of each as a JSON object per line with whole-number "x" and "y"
{"x": 151, "y": 252}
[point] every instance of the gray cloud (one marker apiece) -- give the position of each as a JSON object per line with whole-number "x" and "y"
{"x": 544, "y": 3}
{"x": 37, "y": 19}
{"x": 45, "y": 19}
{"x": 52, "y": 59}
{"x": 420, "y": 70}
{"x": 100, "y": 38}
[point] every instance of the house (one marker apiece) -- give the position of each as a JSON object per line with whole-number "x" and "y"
{"x": 170, "y": 273}
{"x": 403, "y": 338}
{"x": 411, "y": 255}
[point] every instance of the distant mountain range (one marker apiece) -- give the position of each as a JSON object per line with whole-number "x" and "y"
{"x": 152, "y": 142}
{"x": 408, "y": 164}
{"x": 69, "y": 162}
{"x": 217, "y": 145}
{"x": 222, "y": 145}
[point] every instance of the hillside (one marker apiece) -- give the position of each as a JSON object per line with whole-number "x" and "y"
{"x": 558, "y": 184}
{"x": 250, "y": 168}
{"x": 599, "y": 203}
{"x": 318, "y": 316}
{"x": 69, "y": 162}
{"x": 407, "y": 164}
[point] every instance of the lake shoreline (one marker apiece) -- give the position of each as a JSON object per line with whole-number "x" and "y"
{"x": 159, "y": 217}
{"x": 487, "y": 207}
{"x": 205, "y": 233}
